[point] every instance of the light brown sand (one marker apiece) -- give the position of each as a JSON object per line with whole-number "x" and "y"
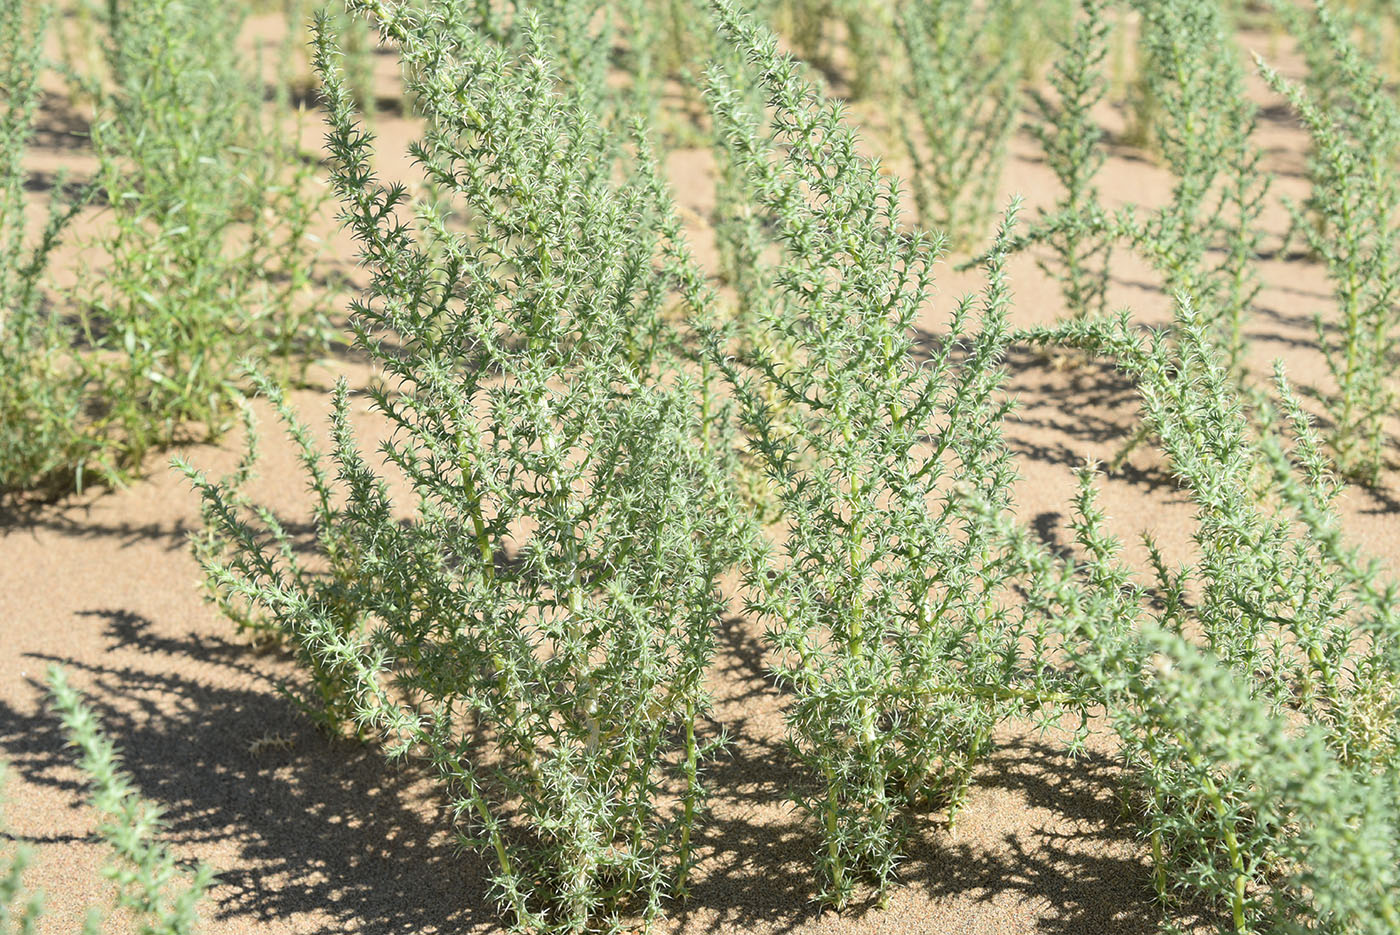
{"x": 311, "y": 835}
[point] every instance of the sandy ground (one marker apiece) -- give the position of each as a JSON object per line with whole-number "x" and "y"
{"x": 314, "y": 835}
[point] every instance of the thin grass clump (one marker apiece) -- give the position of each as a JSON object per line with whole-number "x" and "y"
{"x": 42, "y": 396}
{"x": 205, "y": 247}
{"x": 201, "y": 249}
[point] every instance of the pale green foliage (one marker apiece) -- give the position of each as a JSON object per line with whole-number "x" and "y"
{"x": 746, "y": 242}
{"x": 1203, "y": 131}
{"x": 582, "y": 39}
{"x": 359, "y": 46}
{"x": 540, "y": 627}
{"x": 154, "y": 896}
{"x": 1311, "y": 636}
{"x": 884, "y": 593}
{"x": 578, "y": 34}
{"x": 523, "y": 588}
{"x": 1239, "y": 803}
{"x": 152, "y": 889}
{"x": 1355, "y": 131}
{"x": 963, "y": 92}
{"x": 1070, "y": 138}
{"x": 205, "y": 241}
{"x": 41, "y": 395}
{"x": 24, "y": 918}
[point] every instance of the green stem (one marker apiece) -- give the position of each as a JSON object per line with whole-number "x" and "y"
{"x": 833, "y": 842}
{"x": 691, "y": 794}
{"x": 1232, "y": 848}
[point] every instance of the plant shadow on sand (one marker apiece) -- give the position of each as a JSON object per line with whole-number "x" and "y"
{"x": 1082, "y": 868}
{"x": 327, "y": 829}
{"x": 320, "y": 826}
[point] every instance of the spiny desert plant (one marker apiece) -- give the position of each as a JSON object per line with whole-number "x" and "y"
{"x": 1070, "y": 136}
{"x": 582, "y": 44}
{"x": 963, "y": 92}
{"x": 153, "y": 893}
{"x": 1356, "y": 193}
{"x": 1204, "y": 133}
{"x": 883, "y": 592}
{"x": 539, "y": 625}
{"x": 579, "y": 36}
{"x": 152, "y": 889}
{"x": 1240, "y": 804}
{"x": 1310, "y": 635}
{"x": 24, "y": 917}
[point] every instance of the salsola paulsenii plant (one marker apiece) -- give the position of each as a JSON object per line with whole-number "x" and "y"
{"x": 1205, "y": 240}
{"x": 41, "y": 395}
{"x": 884, "y": 590}
{"x": 537, "y": 622}
{"x": 1287, "y": 634}
{"x": 153, "y": 892}
{"x": 963, "y": 93}
{"x": 1070, "y": 137}
{"x": 1355, "y": 131}
{"x": 1241, "y": 806}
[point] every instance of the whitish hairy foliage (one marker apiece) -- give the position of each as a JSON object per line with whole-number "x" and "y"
{"x": 1311, "y": 635}
{"x": 154, "y": 896}
{"x": 1069, "y": 136}
{"x": 1240, "y": 804}
{"x": 1355, "y": 131}
{"x": 884, "y": 592}
{"x": 540, "y": 626}
{"x": 1203, "y": 132}
{"x": 41, "y": 400}
{"x": 963, "y": 94}
{"x": 578, "y": 33}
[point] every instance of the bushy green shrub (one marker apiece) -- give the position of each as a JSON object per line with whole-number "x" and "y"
{"x": 963, "y": 94}
{"x": 1354, "y": 123}
{"x": 884, "y": 591}
{"x": 1307, "y": 640}
{"x": 540, "y": 628}
{"x": 534, "y": 615}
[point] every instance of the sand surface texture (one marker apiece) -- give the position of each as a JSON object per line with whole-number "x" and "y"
{"x": 311, "y": 835}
